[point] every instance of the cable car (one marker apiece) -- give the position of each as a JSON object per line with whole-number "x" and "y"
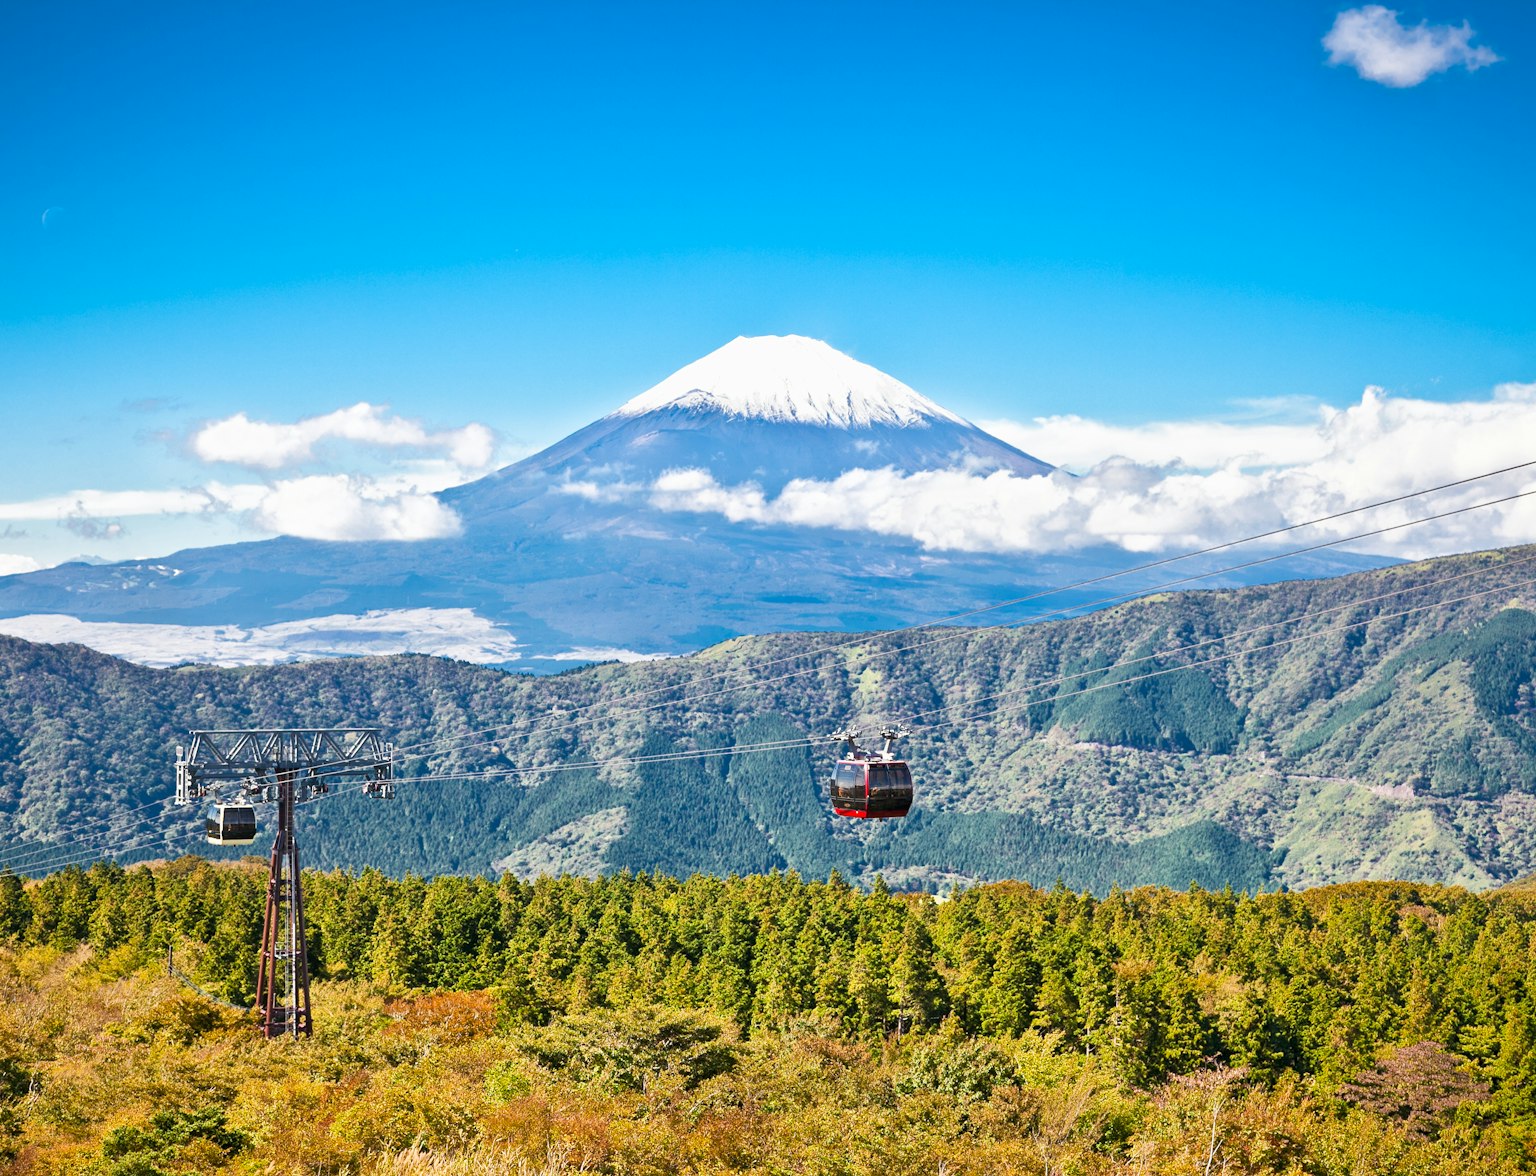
{"x": 230, "y": 824}
{"x": 871, "y": 784}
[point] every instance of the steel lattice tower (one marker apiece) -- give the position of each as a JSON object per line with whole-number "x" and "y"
{"x": 278, "y": 765}
{"x": 284, "y": 947}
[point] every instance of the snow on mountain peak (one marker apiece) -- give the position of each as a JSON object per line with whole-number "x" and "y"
{"x": 790, "y": 378}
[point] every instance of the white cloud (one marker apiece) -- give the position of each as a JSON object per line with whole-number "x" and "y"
{"x": 1381, "y": 447}
{"x": 697, "y": 490}
{"x": 104, "y": 503}
{"x": 1515, "y": 391}
{"x": 1382, "y": 49}
{"x": 268, "y": 445}
{"x": 601, "y": 653}
{"x": 1077, "y": 443}
{"x": 594, "y": 491}
{"x": 11, "y": 565}
{"x": 321, "y": 506}
{"x": 335, "y": 506}
{"x": 444, "y": 632}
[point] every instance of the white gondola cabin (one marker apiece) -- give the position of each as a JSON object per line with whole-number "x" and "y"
{"x": 231, "y": 824}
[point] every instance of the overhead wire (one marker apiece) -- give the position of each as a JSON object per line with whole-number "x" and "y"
{"x": 808, "y": 741}
{"x": 22, "y": 858}
{"x": 486, "y": 736}
{"x": 1327, "y": 631}
{"x": 1238, "y": 653}
{"x": 151, "y": 839}
{"x": 447, "y": 741}
{"x": 27, "y": 860}
{"x": 156, "y": 839}
{"x": 457, "y": 743}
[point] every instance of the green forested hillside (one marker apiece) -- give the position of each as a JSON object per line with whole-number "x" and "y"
{"x": 767, "y": 1024}
{"x": 1384, "y": 742}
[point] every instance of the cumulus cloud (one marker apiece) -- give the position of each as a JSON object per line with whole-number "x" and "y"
{"x": 397, "y": 502}
{"x": 1078, "y": 443}
{"x": 335, "y": 506}
{"x": 1515, "y": 391}
{"x": 697, "y": 490}
{"x": 322, "y": 506}
{"x": 272, "y": 445}
{"x": 594, "y": 491}
{"x": 1381, "y": 447}
{"x": 11, "y": 565}
{"x": 1382, "y": 49}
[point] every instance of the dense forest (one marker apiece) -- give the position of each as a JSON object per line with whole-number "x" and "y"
{"x": 1376, "y": 725}
{"x": 639, "y": 1023}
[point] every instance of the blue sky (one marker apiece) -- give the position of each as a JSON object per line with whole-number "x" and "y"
{"x": 522, "y": 215}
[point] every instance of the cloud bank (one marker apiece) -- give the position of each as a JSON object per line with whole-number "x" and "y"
{"x": 321, "y": 506}
{"x": 335, "y": 506}
{"x": 1172, "y": 485}
{"x": 398, "y": 503}
{"x": 444, "y": 632}
{"x": 1078, "y": 443}
{"x": 1150, "y": 488}
{"x": 1382, "y": 49}
{"x": 270, "y": 445}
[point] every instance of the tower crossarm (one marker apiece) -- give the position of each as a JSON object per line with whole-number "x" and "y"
{"x": 320, "y": 753}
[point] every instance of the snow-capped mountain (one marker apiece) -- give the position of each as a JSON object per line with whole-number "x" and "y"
{"x": 790, "y": 378}
{"x": 764, "y": 411}
{"x": 648, "y": 532}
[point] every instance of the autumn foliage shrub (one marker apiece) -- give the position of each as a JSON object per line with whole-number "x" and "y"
{"x": 446, "y": 1018}
{"x": 651, "y": 1025}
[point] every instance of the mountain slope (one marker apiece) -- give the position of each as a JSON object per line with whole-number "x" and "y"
{"x": 1351, "y": 738}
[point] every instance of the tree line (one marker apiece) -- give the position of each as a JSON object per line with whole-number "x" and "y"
{"x": 1157, "y": 983}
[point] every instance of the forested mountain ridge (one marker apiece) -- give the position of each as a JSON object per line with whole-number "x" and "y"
{"x": 1349, "y": 738}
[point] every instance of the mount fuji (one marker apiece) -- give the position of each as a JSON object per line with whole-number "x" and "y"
{"x": 649, "y": 532}
{"x": 764, "y": 411}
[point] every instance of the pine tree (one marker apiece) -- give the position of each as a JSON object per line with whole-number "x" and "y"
{"x": 15, "y": 910}
{"x": 917, "y": 993}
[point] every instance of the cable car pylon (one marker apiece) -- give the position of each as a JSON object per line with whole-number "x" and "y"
{"x": 280, "y": 766}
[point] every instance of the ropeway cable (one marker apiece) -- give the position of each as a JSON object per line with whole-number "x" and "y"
{"x": 1240, "y": 633}
{"x": 1231, "y": 655}
{"x": 28, "y": 860}
{"x": 25, "y": 859}
{"x": 455, "y": 743}
{"x": 488, "y": 738}
{"x": 810, "y": 741}
{"x": 149, "y": 840}
{"x": 157, "y": 839}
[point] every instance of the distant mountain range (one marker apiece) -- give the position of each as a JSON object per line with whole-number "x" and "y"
{"x": 649, "y": 532}
{"x": 1378, "y": 725}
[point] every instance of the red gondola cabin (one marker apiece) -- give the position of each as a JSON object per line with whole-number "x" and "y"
{"x": 871, "y": 784}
